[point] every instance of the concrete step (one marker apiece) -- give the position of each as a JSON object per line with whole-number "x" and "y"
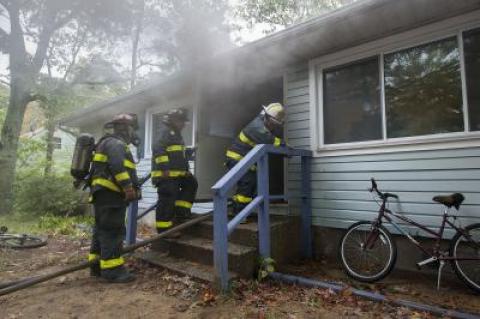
{"x": 247, "y": 234}
{"x": 241, "y": 259}
{"x": 244, "y": 234}
{"x": 182, "y": 266}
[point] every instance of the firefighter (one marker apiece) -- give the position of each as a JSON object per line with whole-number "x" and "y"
{"x": 114, "y": 184}
{"x": 266, "y": 128}
{"x": 176, "y": 186}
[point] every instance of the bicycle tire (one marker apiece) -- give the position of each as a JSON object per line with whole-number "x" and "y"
{"x": 460, "y": 266}
{"x": 387, "y": 242}
{"x": 21, "y": 241}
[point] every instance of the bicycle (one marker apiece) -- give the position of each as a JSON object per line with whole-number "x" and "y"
{"x": 368, "y": 252}
{"x": 19, "y": 241}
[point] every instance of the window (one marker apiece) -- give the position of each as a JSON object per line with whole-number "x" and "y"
{"x": 471, "y": 48}
{"x": 158, "y": 126}
{"x": 423, "y": 90}
{"x": 408, "y": 93}
{"x": 352, "y": 109}
{"x": 57, "y": 142}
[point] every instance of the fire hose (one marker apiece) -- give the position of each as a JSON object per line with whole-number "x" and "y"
{"x": 7, "y": 288}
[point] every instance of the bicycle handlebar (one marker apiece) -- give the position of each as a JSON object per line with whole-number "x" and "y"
{"x": 384, "y": 196}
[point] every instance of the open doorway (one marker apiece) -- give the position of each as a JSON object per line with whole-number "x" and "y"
{"x": 224, "y": 114}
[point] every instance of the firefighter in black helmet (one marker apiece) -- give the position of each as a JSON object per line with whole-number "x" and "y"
{"x": 114, "y": 184}
{"x": 176, "y": 186}
{"x": 266, "y": 128}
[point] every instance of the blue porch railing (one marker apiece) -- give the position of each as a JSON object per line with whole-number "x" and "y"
{"x": 223, "y": 228}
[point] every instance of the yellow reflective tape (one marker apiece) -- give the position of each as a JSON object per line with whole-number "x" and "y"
{"x": 175, "y": 148}
{"x": 239, "y": 198}
{"x": 163, "y": 224}
{"x": 246, "y": 140}
{"x": 106, "y": 183}
{"x": 234, "y": 155}
{"x": 99, "y": 157}
{"x": 177, "y": 173}
{"x": 183, "y": 203}
{"x": 129, "y": 164}
{"x": 161, "y": 159}
{"x": 277, "y": 142}
{"x": 92, "y": 256}
{"x": 111, "y": 263}
{"x": 123, "y": 176}
{"x": 170, "y": 173}
{"x": 157, "y": 173}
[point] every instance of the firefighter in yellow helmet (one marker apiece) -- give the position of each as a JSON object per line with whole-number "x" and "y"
{"x": 176, "y": 186}
{"x": 114, "y": 184}
{"x": 266, "y": 128}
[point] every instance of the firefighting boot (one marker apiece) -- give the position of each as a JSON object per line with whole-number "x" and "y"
{"x": 117, "y": 275}
{"x": 95, "y": 270}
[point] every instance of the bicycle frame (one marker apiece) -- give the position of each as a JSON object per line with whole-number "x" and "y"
{"x": 385, "y": 213}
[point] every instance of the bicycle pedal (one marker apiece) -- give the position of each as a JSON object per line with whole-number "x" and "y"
{"x": 427, "y": 261}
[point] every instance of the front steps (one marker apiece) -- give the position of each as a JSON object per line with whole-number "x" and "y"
{"x": 192, "y": 253}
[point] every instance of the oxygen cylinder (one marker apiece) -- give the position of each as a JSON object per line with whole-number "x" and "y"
{"x": 82, "y": 156}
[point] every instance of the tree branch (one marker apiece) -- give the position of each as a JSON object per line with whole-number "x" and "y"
{"x": 5, "y": 82}
{"x": 46, "y": 35}
{"x": 75, "y": 50}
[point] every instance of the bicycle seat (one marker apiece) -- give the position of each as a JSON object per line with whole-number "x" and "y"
{"x": 454, "y": 200}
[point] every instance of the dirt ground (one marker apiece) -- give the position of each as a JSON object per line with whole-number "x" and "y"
{"x": 159, "y": 294}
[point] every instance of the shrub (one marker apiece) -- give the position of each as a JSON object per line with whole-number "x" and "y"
{"x": 39, "y": 195}
{"x": 80, "y": 226}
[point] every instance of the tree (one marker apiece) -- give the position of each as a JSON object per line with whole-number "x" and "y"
{"x": 173, "y": 35}
{"x": 42, "y": 23}
{"x": 281, "y": 13}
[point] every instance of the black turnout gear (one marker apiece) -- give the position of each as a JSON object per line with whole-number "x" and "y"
{"x": 254, "y": 133}
{"x": 113, "y": 171}
{"x": 176, "y": 186}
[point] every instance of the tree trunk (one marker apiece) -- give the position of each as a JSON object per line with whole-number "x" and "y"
{"x": 19, "y": 98}
{"x": 136, "y": 37}
{"x": 50, "y": 147}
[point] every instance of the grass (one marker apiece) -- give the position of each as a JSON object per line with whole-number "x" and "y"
{"x": 76, "y": 226}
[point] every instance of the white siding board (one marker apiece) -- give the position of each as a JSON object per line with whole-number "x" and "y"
{"x": 408, "y": 175}
{"x": 297, "y": 125}
{"x": 339, "y": 183}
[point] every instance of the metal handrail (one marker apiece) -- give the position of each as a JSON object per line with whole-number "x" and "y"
{"x": 222, "y": 228}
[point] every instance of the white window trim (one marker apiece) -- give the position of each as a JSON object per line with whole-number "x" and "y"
{"x": 149, "y": 125}
{"x": 424, "y": 35}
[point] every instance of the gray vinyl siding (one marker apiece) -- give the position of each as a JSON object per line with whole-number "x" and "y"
{"x": 149, "y": 194}
{"x": 340, "y": 183}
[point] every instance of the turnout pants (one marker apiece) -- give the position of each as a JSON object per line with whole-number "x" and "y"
{"x": 246, "y": 188}
{"x": 175, "y": 200}
{"x": 109, "y": 230}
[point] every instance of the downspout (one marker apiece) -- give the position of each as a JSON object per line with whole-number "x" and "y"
{"x": 296, "y": 280}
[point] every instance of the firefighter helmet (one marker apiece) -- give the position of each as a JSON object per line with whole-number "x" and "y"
{"x": 177, "y": 114}
{"x": 274, "y": 112}
{"x": 125, "y": 118}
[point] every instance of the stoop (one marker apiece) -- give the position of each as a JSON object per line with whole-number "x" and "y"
{"x": 192, "y": 253}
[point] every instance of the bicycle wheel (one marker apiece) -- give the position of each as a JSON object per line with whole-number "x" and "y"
{"x": 461, "y": 247}
{"x": 367, "y": 262}
{"x": 21, "y": 241}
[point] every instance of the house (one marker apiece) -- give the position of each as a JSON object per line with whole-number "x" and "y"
{"x": 380, "y": 88}
{"x": 33, "y": 128}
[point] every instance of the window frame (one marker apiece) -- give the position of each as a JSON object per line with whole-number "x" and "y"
{"x": 149, "y": 126}
{"x": 379, "y": 48}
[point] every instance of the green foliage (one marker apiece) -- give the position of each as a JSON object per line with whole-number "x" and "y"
{"x": 265, "y": 267}
{"x": 78, "y": 226}
{"x": 39, "y": 195}
{"x": 284, "y": 12}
